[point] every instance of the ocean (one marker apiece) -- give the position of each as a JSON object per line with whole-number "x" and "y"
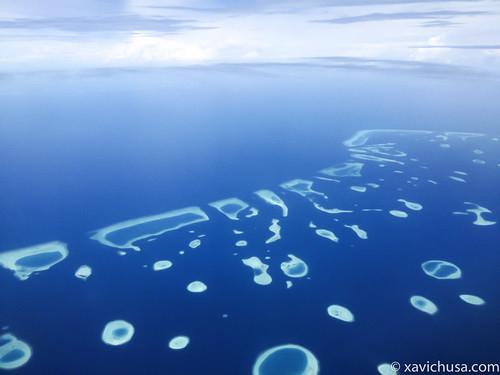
{"x": 81, "y": 152}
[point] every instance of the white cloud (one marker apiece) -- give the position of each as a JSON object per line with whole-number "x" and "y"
{"x": 260, "y": 37}
{"x": 140, "y": 48}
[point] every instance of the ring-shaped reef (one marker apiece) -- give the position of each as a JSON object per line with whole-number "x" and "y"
{"x": 359, "y": 189}
{"x": 286, "y": 359}
{"x": 386, "y": 369}
{"x": 332, "y": 211}
{"x": 295, "y": 267}
{"x": 398, "y": 213}
{"x": 328, "y": 234}
{"x": 275, "y": 229}
{"x": 411, "y": 205}
{"x": 423, "y": 304}
{"x": 161, "y": 265}
{"x": 271, "y": 197}
{"x": 376, "y": 158}
{"x": 123, "y": 235}
{"x": 302, "y": 187}
{"x": 340, "y": 313}
{"x": 479, "y": 211}
{"x": 441, "y": 269}
{"x": 472, "y": 300}
{"x": 196, "y": 287}
{"x": 178, "y": 342}
{"x": 260, "y": 274}
{"x": 230, "y": 207}
{"x": 359, "y": 232}
{"x": 25, "y": 261}
{"x": 14, "y": 353}
{"x": 117, "y": 332}
{"x": 348, "y": 169}
{"x": 195, "y": 243}
{"x": 386, "y": 149}
{"x": 83, "y": 272}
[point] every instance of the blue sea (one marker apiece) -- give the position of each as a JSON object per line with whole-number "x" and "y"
{"x": 83, "y": 151}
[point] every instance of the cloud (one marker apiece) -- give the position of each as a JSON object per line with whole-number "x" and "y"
{"x": 437, "y": 15}
{"x": 279, "y": 6}
{"x": 161, "y": 33}
{"x": 478, "y": 47}
{"x": 187, "y": 8}
{"x": 394, "y": 65}
{"x": 439, "y": 23}
{"x": 275, "y": 68}
{"x": 112, "y": 23}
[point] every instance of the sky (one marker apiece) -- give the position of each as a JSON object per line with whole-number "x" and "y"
{"x": 38, "y": 35}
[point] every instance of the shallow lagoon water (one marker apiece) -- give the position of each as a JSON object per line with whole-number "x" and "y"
{"x": 98, "y": 165}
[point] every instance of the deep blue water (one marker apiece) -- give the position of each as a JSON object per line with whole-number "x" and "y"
{"x": 81, "y": 152}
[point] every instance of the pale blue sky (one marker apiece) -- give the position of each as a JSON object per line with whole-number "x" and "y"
{"x": 71, "y": 34}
